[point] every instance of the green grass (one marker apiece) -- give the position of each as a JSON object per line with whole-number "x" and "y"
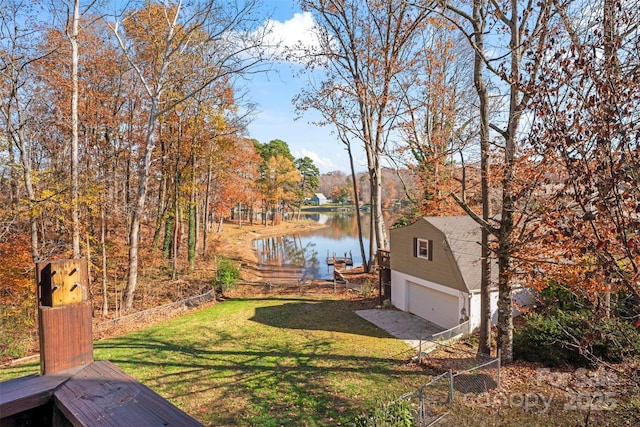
{"x": 265, "y": 362}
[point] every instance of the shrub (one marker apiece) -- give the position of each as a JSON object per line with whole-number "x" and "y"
{"x": 613, "y": 340}
{"x": 575, "y": 338}
{"x": 17, "y": 332}
{"x": 227, "y": 275}
{"x": 394, "y": 414}
{"x": 368, "y": 288}
{"x": 537, "y": 341}
{"x": 558, "y": 297}
{"x": 401, "y": 222}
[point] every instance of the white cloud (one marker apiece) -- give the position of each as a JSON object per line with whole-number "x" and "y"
{"x": 293, "y": 33}
{"x": 325, "y": 164}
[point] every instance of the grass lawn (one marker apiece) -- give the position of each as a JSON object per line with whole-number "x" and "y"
{"x": 273, "y": 361}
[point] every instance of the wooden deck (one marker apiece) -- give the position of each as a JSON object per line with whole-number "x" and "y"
{"x": 99, "y": 394}
{"x": 27, "y": 393}
{"x": 73, "y": 389}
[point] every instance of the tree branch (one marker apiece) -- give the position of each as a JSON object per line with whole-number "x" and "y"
{"x": 485, "y": 225}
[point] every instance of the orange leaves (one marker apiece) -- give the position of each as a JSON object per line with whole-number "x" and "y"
{"x": 149, "y": 28}
{"x": 279, "y": 179}
{"x": 16, "y": 270}
{"x": 236, "y": 165}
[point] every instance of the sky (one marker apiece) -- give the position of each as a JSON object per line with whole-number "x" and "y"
{"x": 273, "y": 93}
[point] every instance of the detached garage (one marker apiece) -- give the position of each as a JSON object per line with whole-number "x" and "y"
{"x": 435, "y": 270}
{"x": 438, "y": 307}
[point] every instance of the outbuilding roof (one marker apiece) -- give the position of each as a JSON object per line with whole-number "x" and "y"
{"x": 463, "y": 236}
{"x": 458, "y": 240}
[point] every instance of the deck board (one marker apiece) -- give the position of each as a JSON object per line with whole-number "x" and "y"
{"x": 103, "y": 395}
{"x": 26, "y": 393}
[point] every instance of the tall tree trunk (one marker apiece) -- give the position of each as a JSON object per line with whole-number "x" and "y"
{"x": 378, "y": 238}
{"x": 161, "y": 213}
{"x": 191, "y": 250}
{"x": 138, "y": 209}
{"x": 129, "y": 212}
{"x": 162, "y": 193}
{"x": 168, "y": 234}
{"x": 14, "y": 176}
{"x": 354, "y": 183}
{"x": 105, "y": 299}
{"x": 372, "y": 172}
{"x": 176, "y": 203}
{"x": 505, "y": 237}
{"x": 484, "y": 346}
{"x": 174, "y": 245}
{"x": 205, "y": 214}
{"x": 75, "y": 217}
{"x": 372, "y": 232}
{"x": 612, "y": 74}
{"x": 376, "y": 192}
{"x": 25, "y": 163}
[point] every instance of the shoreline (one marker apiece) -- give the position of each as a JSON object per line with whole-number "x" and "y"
{"x": 236, "y": 242}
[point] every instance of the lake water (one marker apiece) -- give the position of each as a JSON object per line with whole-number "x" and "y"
{"x": 305, "y": 254}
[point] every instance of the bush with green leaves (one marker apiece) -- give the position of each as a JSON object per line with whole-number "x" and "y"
{"x": 558, "y": 297}
{"x": 227, "y": 275}
{"x": 401, "y": 222}
{"x": 394, "y": 414}
{"x": 17, "y": 332}
{"x": 576, "y": 338}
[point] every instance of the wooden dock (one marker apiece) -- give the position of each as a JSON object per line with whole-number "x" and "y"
{"x": 345, "y": 260}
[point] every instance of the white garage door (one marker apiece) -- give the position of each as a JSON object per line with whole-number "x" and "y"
{"x": 436, "y": 307}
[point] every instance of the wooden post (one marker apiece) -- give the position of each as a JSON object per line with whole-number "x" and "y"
{"x": 64, "y": 315}
{"x": 380, "y": 287}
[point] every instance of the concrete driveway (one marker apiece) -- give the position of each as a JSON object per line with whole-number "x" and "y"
{"x": 400, "y": 324}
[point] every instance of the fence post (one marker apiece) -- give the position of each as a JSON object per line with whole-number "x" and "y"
{"x": 499, "y": 364}
{"x": 421, "y": 406}
{"x": 420, "y": 350}
{"x": 450, "y": 387}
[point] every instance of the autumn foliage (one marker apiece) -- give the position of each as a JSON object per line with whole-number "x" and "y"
{"x": 17, "y": 295}
{"x": 551, "y": 170}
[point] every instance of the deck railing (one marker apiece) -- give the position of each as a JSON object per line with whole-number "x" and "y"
{"x": 384, "y": 258}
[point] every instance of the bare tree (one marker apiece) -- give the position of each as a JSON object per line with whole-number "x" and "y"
{"x": 21, "y": 105}
{"x": 156, "y": 40}
{"x": 519, "y": 28}
{"x": 589, "y": 127}
{"x": 75, "y": 218}
{"x": 365, "y": 49}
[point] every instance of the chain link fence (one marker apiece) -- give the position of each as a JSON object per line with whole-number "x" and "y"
{"x": 429, "y": 404}
{"x": 461, "y": 330}
{"x": 106, "y": 327}
{"x": 284, "y": 286}
{"x": 428, "y": 344}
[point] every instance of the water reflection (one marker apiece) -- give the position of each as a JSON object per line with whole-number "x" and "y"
{"x": 303, "y": 255}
